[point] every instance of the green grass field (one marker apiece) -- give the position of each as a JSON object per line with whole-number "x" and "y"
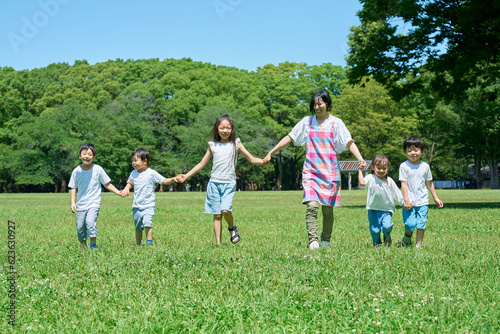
{"x": 268, "y": 283}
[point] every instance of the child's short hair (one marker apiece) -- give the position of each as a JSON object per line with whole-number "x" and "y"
{"x": 322, "y": 95}
{"x": 142, "y": 153}
{"x": 380, "y": 159}
{"x": 414, "y": 141}
{"x": 87, "y": 146}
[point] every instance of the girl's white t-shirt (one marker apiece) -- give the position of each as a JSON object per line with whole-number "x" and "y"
{"x": 415, "y": 176}
{"x": 144, "y": 187}
{"x": 88, "y": 183}
{"x": 224, "y": 161}
{"x": 341, "y": 134}
{"x": 382, "y": 195}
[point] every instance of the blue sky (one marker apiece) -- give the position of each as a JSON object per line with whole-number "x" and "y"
{"x": 246, "y": 34}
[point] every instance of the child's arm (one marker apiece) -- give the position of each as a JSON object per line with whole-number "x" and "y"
{"x": 361, "y": 178}
{"x": 251, "y": 158}
{"x": 430, "y": 186}
{"x": 168, "y": 180}
{"x": 126, "y": 191}
{"x": 73, "y": 200}
{"x": 112, "y": 188}
{"x": 281, "y": 145}
{"x": 183, "y": 177}
{"x": 351, "y": 145}
{"x": 406, "y": 200}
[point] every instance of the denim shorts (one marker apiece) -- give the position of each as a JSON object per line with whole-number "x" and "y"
{"x": 143, "y": 218}
{"x": 416, "y": 217}
{"x": 219, "y": 197}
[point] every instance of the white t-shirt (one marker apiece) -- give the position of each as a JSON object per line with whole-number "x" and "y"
{"x": 341, "y": 138}
{"x": 88, "y": 183}
{"x": 144, "y": 187}
{"x": 415, "y": 176}
{"x": 224, "y": 161}
{"x": 382, "y": 195}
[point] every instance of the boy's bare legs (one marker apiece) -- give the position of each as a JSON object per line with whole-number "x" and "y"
{"x": 149, "y": 232}
{"x": 218, "y": 228}
{"x": 420, "y": 237}
{"x": 83, "y": 243}
{"x": 138, "y": 237}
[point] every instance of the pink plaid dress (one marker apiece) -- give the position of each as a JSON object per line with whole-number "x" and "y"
{"x": 321, "y": 175}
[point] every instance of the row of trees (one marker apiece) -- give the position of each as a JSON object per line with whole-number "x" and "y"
{"x": 169, "y": 108}
{"x": 441, "y": 58}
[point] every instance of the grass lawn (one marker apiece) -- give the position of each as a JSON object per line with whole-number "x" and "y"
{"x": 268, "y": 283}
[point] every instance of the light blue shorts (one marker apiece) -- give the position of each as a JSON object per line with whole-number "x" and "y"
{"x": 86, "y": 223}
{"x": 415, "y": 217}
{"x": 143, "y": 218}
{"x": 219, "y": 197}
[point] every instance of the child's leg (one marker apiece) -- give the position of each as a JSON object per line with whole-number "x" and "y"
{"x": 218, "y": 228}
{"x": 91, "y": 221}
{"x": 386, "y": 222}
{"x": 312, "y": 220}
{"x": 409, "y": 219}
{"x": 81, "y": 227}
{"x": 149, "y": 234}
{"x": 228, "y": 216}
{"x": 138, "y": 237}
{"x": 421, "y": 216}
{"x": 420, "y": 237}
{"x": 327, "y": 223}
{"x": 375, "y": 226}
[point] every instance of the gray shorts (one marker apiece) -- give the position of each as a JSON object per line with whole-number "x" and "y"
{"x": 143, "y": 218}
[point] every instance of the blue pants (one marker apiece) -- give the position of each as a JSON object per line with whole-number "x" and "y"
{"x": 415, "y": 217}
{"x": 380, "y": 220}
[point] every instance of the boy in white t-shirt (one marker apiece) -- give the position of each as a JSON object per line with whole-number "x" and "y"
{"x": 143, "y": 180}
{"x": 87, "y": 179}
{"x": 383, "y": 193}
{"x": 415, "y": 176}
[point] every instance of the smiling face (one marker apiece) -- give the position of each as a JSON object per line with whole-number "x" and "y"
{"x": 319, "y": 107}
{"x": 139, "y": 164}
{"x": 224, "y": 129}
{"x": 380, "y": 169}
{"x": 414, "y": 153}
{"x": 87, "y": 157}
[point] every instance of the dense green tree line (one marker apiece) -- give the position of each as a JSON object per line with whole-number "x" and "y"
{"x": 442, "y": 59}
{"x": 169, "y": 107}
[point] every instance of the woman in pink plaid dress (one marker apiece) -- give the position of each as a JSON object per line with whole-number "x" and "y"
{"x": 324, "y": 136}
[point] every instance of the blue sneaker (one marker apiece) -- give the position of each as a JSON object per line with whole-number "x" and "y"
{"x": 93, "y": 246}
{"x": 325, "y": 243}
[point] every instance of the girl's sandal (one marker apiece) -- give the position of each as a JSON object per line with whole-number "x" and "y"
{"x": 236, "y": 235}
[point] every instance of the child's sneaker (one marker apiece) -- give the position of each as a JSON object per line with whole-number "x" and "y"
{"x": 406, "y": 241}
{"x": 388, "y": 242}
{"x": 313, "y": 245}
{"x": 325, "y": 243}
{"x": 93, "y": 246}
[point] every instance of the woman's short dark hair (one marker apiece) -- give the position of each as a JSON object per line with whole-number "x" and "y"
{"x": 323, "y": 95}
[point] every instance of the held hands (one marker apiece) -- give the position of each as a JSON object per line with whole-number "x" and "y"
{"x": 407, "y": 204}
{"x": 362, "y": 165}
{"x": 124, "y": 192}
{"x": 266, "y": 159}
{"x": 180, "y": 178}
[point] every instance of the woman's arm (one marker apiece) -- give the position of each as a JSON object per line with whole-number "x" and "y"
{"x": 281, "y": 145}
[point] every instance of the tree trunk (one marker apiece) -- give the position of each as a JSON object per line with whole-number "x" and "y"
{"x": 63, "y": 186}
{"x": 279, "y": 163}
{"x": 494, "y": 184}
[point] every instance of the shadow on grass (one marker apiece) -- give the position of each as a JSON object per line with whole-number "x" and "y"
{"x": 486, "y": 205}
